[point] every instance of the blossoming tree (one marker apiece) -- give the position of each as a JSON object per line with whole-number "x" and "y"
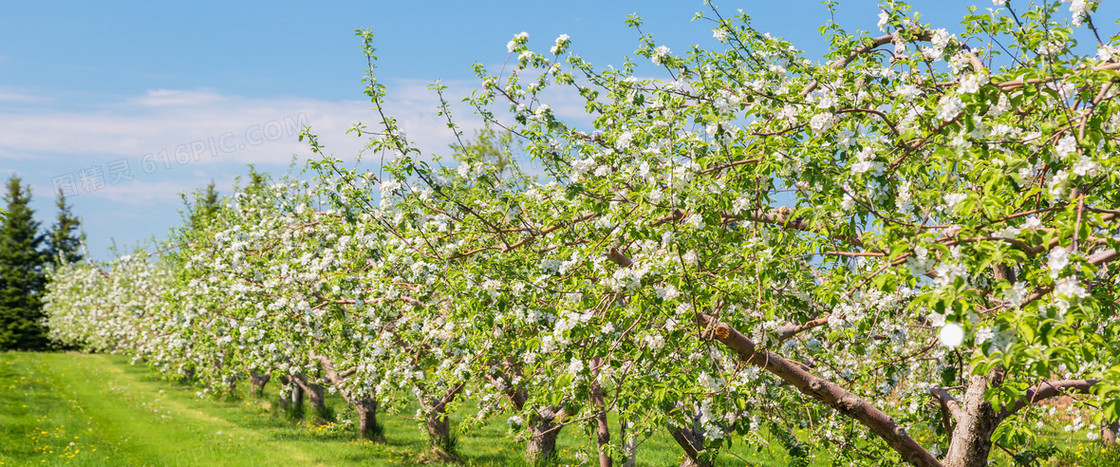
{"x": 916, "y": 236}
{"x": 916, "y": 215}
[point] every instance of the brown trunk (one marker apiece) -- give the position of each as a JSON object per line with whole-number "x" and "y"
{"x": 314, "y": 394}
{"x": 542, "y": 437}
{"x": 602, "y": 431}
{"x": 692, "y": 442}
{"x": 543, "y": 424}
{"x": 1108, "y": 433}
{"x": 971, "y": 442}
{"x": 256, "y": 383}
{"x": 439, "y": 428}
{"x": 441, "y": 445}
{"x": 367, "y": 420}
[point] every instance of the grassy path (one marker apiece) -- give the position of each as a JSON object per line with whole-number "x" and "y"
{"x": 94, "y": 410}
{"x": 97, "y": 410}
{"x": 79, "y": 409}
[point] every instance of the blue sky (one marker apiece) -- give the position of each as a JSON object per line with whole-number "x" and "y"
{"x": 127, "y": 104}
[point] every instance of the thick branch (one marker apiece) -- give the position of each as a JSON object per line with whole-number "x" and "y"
{"x": 947, "y": 401}
{"x": 787, "y": 332}
{"x": 335, "y": 378}
{"x": 1101, "y": 257}
{"x": 1047, "y": 390}
{"x": 831, "y": 394}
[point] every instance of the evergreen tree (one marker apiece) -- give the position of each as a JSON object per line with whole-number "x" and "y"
{"x": 21, "y": 272}
{"x": 205, "y": 208}
{"x": 65, "y": 241}
{"x": 201, "y": 208}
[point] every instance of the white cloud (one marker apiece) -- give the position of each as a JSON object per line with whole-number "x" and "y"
{"x": 146, "y": 193}
{"x": 20, "y": 96}
{"x": 175, "y": 141}
{"x": 211, "y": 126}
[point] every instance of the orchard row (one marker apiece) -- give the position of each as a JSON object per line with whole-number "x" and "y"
{"x": 918, "y": 235}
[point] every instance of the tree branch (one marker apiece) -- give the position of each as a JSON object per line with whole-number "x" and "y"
{"x": 947, "y": 401}
{"x": 1046, "y": 390}
{"x": 827, "y": 392}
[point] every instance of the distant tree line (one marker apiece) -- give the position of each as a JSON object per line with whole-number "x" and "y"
{"x": 26, "y": 255}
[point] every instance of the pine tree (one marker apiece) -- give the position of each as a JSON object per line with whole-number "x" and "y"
{"x": 64, "y": 242}
{"x": 205, "y": 208}
{"x": 21, "y": 272}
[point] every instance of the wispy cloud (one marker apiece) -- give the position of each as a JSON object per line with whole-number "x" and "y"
{"x": 19, "y": 96}
{"x": 255, "y": 130}
{"x": 128, "y": 157}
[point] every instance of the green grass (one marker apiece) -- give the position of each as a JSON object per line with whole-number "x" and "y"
{"x": 77, "y": 409}
{"x": 81, "y": 409}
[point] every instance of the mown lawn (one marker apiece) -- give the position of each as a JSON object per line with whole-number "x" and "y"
{"x": 82, "y": 409}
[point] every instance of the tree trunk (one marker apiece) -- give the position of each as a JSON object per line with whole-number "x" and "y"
{"x": 629, "y": 444}
{"x": 439, "y": 428}
{"x": 367, "y": 420}
{"x": 602, "y": 431}
{"x": 692, "y": 442}
{"x": 293, "y": 404}
{"x": 441, "y": 445}
{"x": 971, "y": 442}
{"x": 542, "y": 437}
{"x": 543, "y": 425}
{"x": 314, "y": 394}
{"x": 297, "y": 394}
{"x": 257, "y": 381}
{"x": 1108, "y": 433}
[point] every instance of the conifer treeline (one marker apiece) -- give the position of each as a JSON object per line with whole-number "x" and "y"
{"x": 26, "y": 253}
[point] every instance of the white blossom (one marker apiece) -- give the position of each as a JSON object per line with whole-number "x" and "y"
{"x": 952, "y": 199}
{"x": 821, "y": 122}
{"x": 1069, "y": 287}
{"x": 561, "y": 43}
{"x": 983, "y": 334}
{"x": 575, "y": 366}
{"x": 659, "y": 54}
{"x": 1008, "y": 232}
{"x": 908, "y": 92}
{"x": 1086, "y": 167}
{"x": 947, "y": 272}
{"x": 1059, "y": 259}
{"x": 941, "y": 38}
{"x": 1016, "y": 296}
{"x": 1056, "y": 185}
{"x": 949, "y": 107}
{"x": 1066, "y": 146}
{"x": 971, "y": 83}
